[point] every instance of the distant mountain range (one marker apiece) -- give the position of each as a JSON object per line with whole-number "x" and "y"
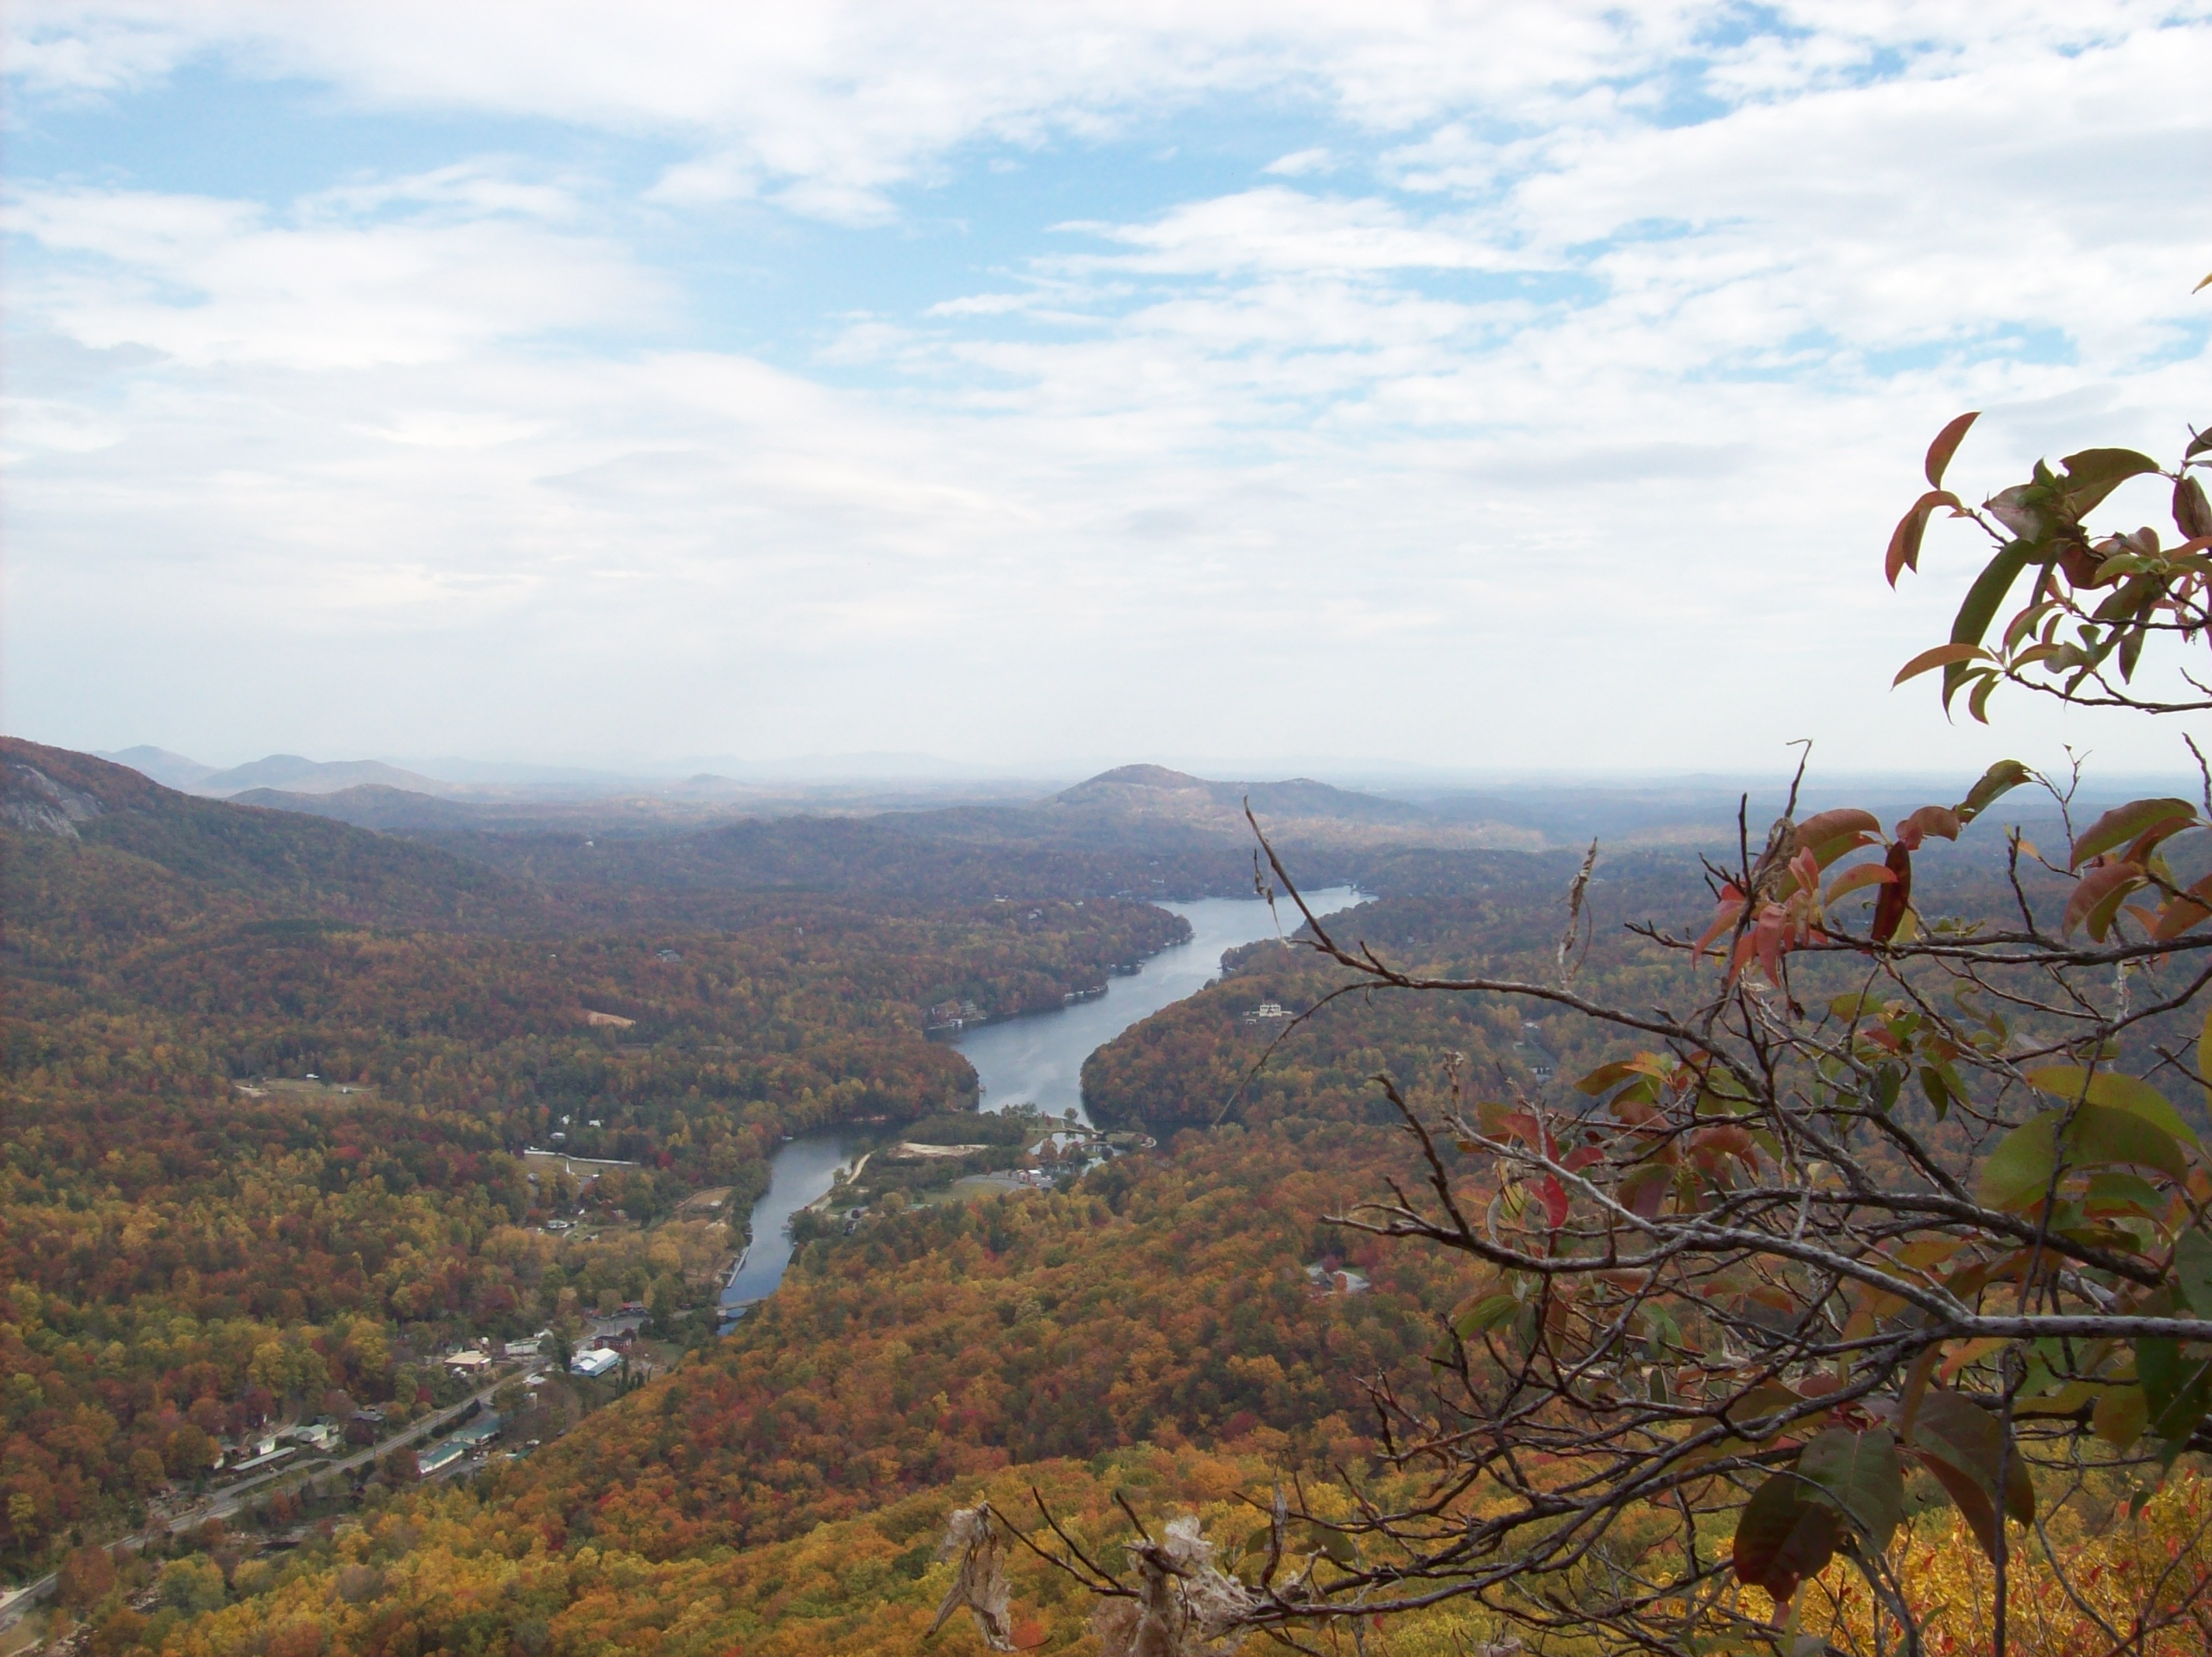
{"x": 120, "y": 852}
{"x": 1153, "y": 791}
{"x": 292, "y": 772}
{"x": 1130, "y": 802}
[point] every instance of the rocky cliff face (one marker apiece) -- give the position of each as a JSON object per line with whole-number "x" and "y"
{"x": 33, "y": 801}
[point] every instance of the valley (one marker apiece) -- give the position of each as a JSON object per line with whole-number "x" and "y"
{"x": 741, "y": 1197}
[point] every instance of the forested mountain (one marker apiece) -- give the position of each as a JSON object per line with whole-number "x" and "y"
{"x": 270, "y": 1083}
{"x": 96, "y": 850}
{"x": 195, "y": 1240}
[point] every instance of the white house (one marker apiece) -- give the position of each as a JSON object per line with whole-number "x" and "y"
{"x": 594, "y": 1363}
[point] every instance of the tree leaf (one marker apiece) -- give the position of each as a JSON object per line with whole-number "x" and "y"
{"x": 2192, "y": 513}
{"x": 2095, "y": 473}
{"x": 1829, "y": 835}
{"x": 2018, "y": 1171}
{"x": 1966, "y": 1495}
{"x": 1938, "y": 656}
{"x": 1784, "y": 1537}
{"x": 2180, "y": 913}
{"x": 2120, "y": 1415}
{"x": 1905, "y": 540}
{"x": 1896, "y": 899}
{"x": 1979, "y": 607}
{"x": 1862, "y": 1473}
{"x": 1865, "y": 875}
{"x": 1962, "y": 1444}
{"x": 1999, "y": 780}
{"x": 2097, "y": 896}
{"x": 2192, "y": 1270}
{"x": 2176, "y": 1390}
{"x": 2114, "y": 1088}
{"x": 2099, "y": 1135}
{"x": 1485, "y": 1313}
{"x": 1947, "y": 445}
{"x": 1940, "y": 821}
{"x": 2126, "y": 822}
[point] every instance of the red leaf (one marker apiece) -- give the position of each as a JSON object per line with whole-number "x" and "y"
{"x": 1905, "y": 541}
{"x": 1889, "y": 908}
{"x": 1950, "y": 655}
{"x": 1947, "y": 445}
{"x": 1938, "y": 820}
{"x": 2181, "y": 914}
{"x": 1644, "y": 1190}
{"x": 1725, "y": 915}
{"x": 1784, "y": 1537}
{"x": 1554, "y": 1196}
{"x": 2097, "y": 895}
{"x": 2138, "y": 820}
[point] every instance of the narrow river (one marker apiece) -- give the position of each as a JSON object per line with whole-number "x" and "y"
{"x": 1037, "y": 1059}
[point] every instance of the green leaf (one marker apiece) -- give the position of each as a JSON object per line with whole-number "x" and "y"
{"x": 2100, "y": 1135}
{"x": 2176, "y": 1390}
{"x": 1485, "y": 1313}
{"x": 2116, "y": 1089}
{"x": 1862, "y": 1473}
{"x": 1999, "y": 780}
{"x": 2192, "y": 1270}
{"x": 1939, "y": 1091}
{"x": 2123, "y": 1194}
{"x": 2095, "y": 473}
{"x": 2018, "y": 1171}
{"x": 1979, "y": 607}
{"x": 2120, "y": 1416}
{"x": 2125, "y": 823}
{"x": 1320, "y": 1538}
{"x": 1784, "y": 1537}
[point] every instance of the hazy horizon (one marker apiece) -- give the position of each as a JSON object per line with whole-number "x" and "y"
{"x": 926, "y": 770}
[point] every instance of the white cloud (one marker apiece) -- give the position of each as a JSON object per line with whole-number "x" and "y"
{"x": 1301, "y": 162}
{"x": 1574, "y": 419}
{"x": 328, "y": 286}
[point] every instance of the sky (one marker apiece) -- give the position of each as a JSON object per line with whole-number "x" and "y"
{"x": 1516, "y": 387}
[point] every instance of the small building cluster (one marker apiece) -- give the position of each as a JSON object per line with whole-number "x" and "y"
{"x": 1337, "y": 1280}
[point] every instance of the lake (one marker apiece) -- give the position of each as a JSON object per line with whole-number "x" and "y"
{"x": 1037, "y": 1058}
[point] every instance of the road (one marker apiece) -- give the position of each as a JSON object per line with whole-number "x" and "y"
{"x": 221, "y": 1504}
